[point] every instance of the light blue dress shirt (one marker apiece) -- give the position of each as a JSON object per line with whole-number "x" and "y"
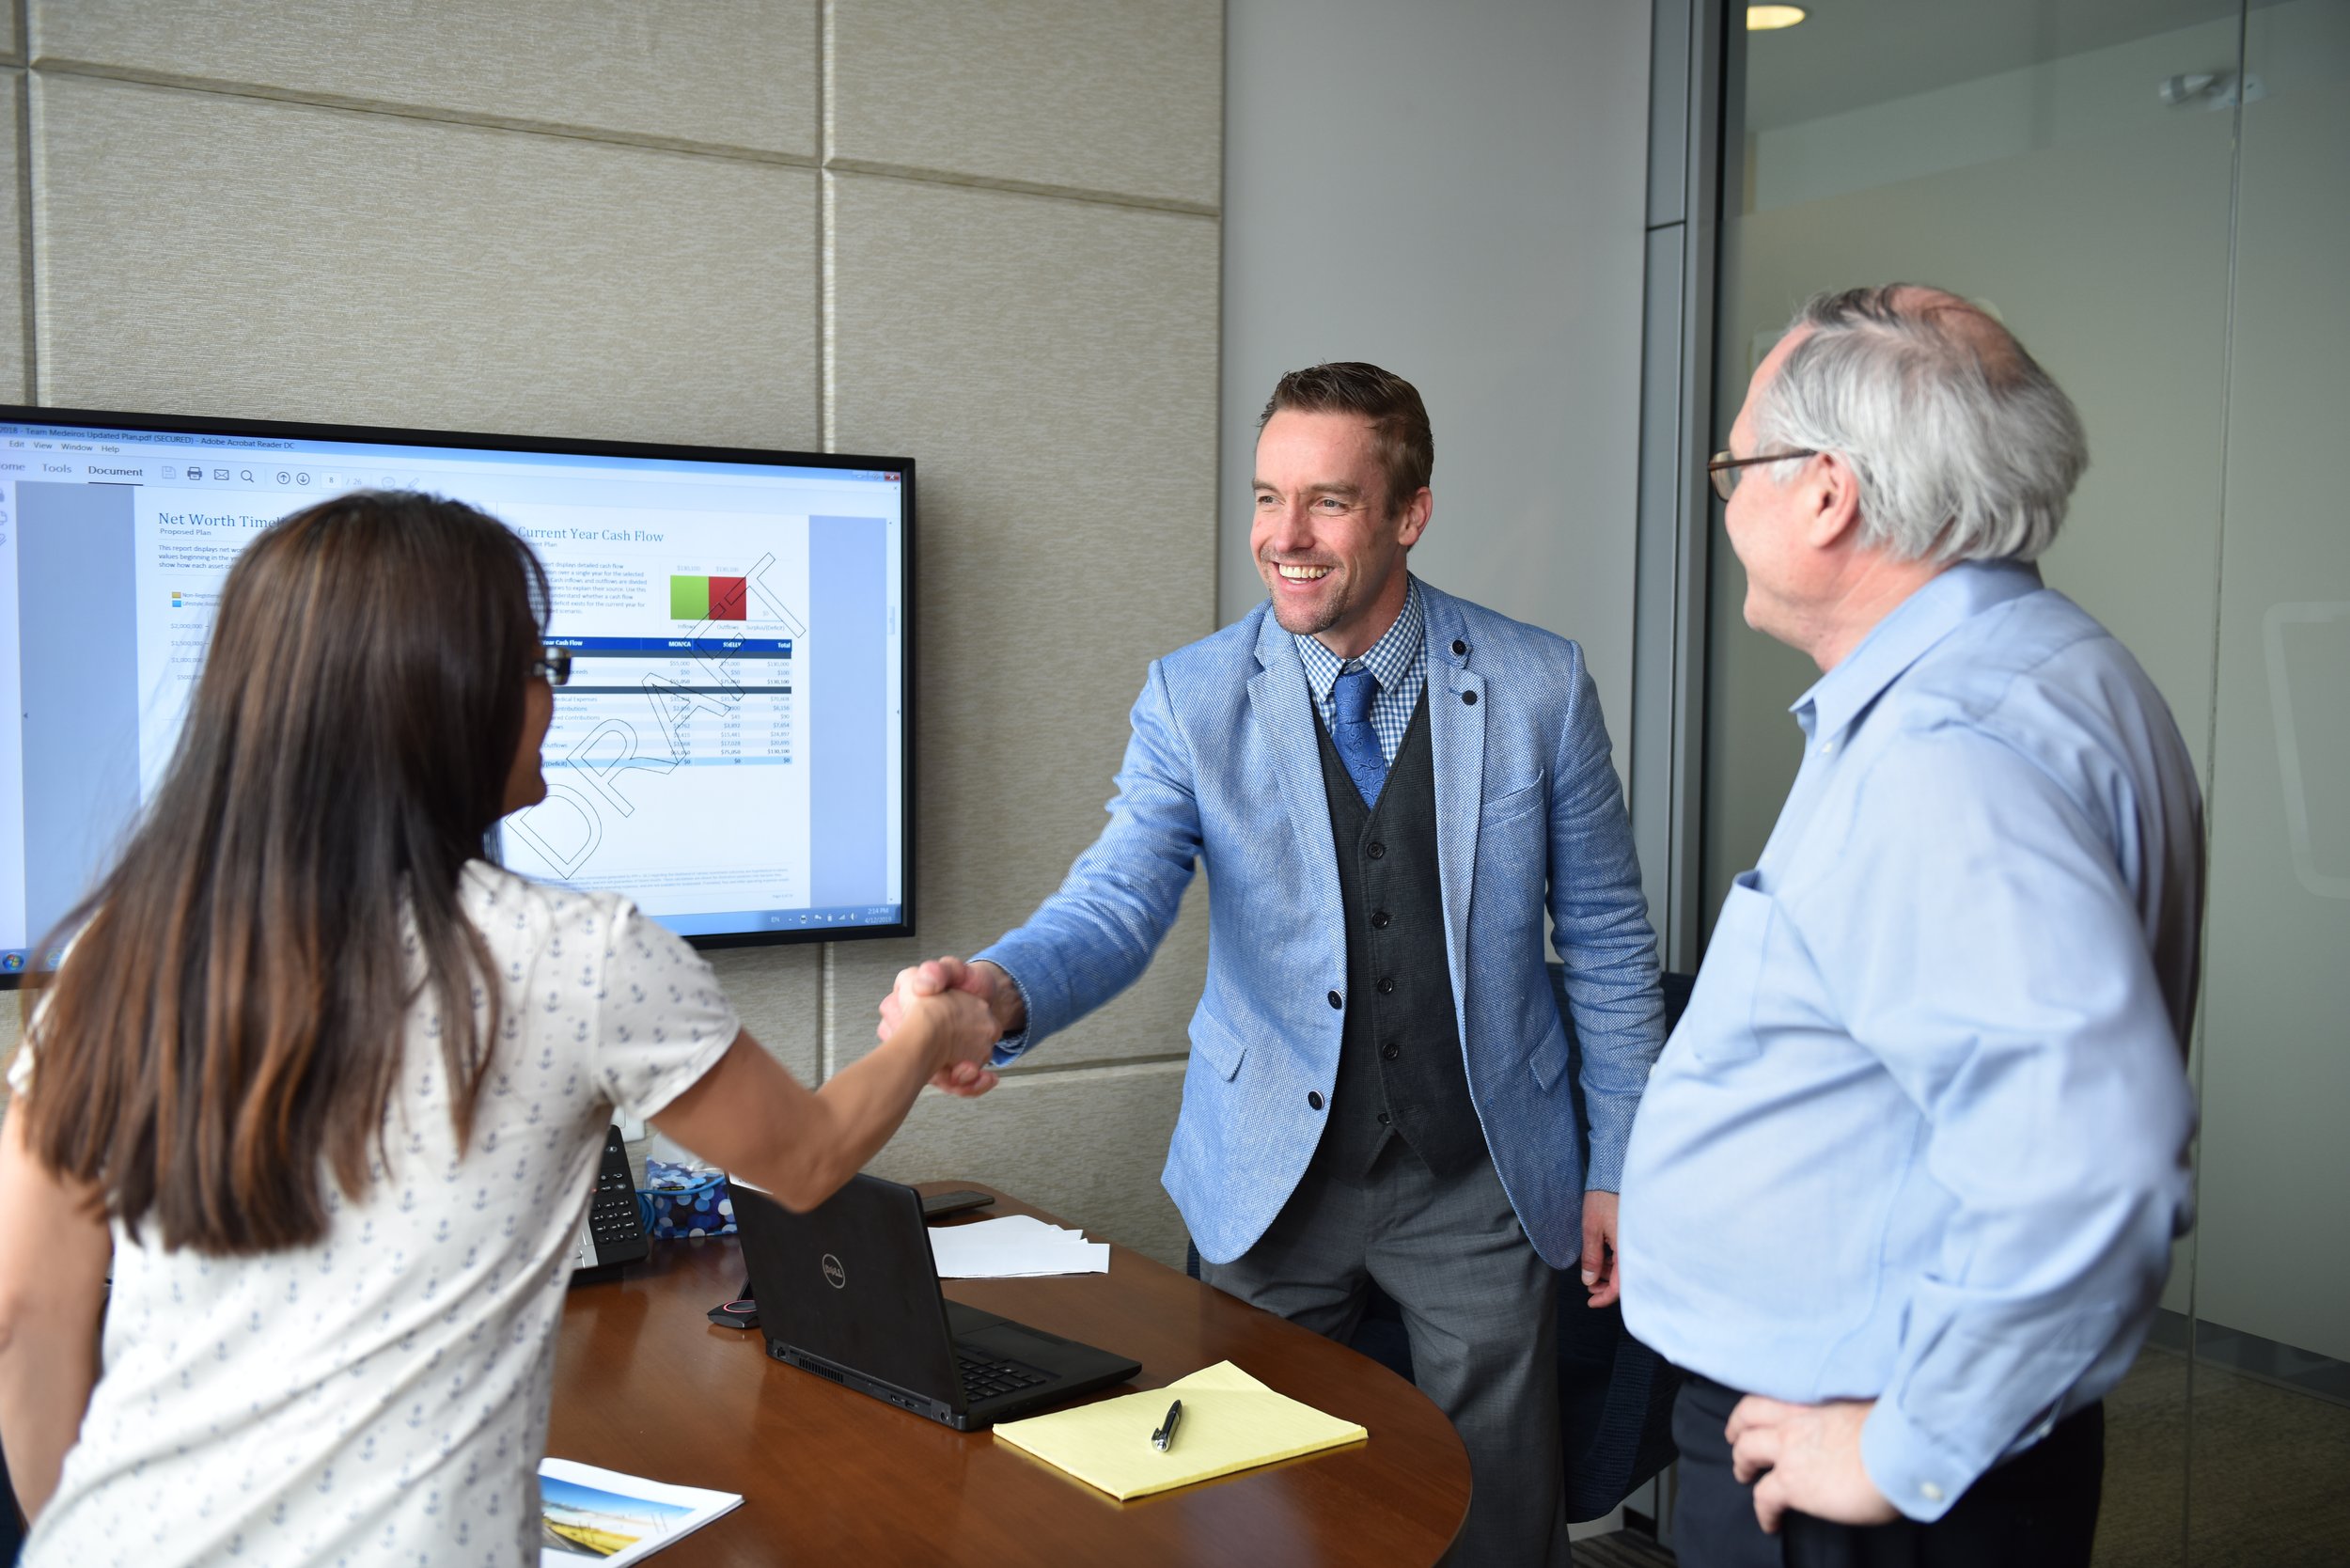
{"x": 1922, "y": 1133}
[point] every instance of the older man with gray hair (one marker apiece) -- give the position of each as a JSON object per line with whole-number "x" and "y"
{"x": 1902, "y": 1192}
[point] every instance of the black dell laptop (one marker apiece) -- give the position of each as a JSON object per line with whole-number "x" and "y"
{"x": 849, "y": 1290}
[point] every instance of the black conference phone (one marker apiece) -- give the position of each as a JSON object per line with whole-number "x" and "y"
{"x": 614, "y": 1235}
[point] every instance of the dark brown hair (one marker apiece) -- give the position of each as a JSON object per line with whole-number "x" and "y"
{"x": 1406, "y": 446}
{"x": 229, "y": 1022}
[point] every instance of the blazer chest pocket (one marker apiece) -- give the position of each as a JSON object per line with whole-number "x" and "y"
{"x": 1504, "y": 810}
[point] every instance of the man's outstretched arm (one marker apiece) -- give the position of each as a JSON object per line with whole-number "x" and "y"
{"x": 1095, "y": 936}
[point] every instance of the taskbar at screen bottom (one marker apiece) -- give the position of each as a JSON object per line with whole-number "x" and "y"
{"x": 745, "y": 924}
{"x": 761, "y": 922}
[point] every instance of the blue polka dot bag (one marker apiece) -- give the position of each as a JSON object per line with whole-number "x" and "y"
{"x": 682, "y": 1201}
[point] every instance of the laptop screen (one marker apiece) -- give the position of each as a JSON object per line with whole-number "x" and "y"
{"x": 852, "y": 1281}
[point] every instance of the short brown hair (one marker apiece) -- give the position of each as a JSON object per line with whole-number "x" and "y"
{"x": 1407, "y": 449}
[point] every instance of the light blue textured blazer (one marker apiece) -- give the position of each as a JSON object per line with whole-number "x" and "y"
{"x": 1224, "y": 770}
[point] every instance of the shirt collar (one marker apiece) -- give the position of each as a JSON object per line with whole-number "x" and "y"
{"x": 1389, "y": 659}
{"x": 1902, "y": 637}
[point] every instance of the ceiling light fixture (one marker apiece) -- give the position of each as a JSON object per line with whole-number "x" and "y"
{"x": 1770, "y": 19}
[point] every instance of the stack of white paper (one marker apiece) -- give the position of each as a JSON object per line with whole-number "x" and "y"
{"x": 1013, "y": 1246}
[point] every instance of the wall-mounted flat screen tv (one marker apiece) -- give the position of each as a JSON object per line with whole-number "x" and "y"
{"x": 732, "y": 750}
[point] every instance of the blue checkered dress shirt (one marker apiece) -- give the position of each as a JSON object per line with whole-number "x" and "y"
{"x": 1398, "y": 661}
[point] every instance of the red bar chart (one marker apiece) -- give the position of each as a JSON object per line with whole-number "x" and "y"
{"x": 699, "y": 598}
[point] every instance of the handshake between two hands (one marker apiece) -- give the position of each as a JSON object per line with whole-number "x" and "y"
{"x": 967, "y": 1007}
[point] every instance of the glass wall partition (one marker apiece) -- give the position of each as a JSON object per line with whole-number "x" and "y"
{"x": 2269, "y": 1477}
{"x": 2154, "y": 194}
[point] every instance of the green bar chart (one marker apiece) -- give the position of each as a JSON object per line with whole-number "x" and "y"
{"x": 708, "y": 598}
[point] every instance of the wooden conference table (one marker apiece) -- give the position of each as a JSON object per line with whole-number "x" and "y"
{"x": 645, "y": 1384}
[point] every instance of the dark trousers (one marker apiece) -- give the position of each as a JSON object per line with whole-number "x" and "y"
{"x": 2039, "y": 1509}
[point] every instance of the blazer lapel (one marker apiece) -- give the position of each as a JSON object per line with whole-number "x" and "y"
{"x": 1284, "y": 712}
{"x": 1456, "y": 732}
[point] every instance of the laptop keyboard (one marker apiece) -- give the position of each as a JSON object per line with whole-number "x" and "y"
{"x": 984, "y": 1377}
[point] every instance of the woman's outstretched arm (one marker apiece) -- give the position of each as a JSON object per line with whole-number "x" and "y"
{"x": 755, "y": 1120}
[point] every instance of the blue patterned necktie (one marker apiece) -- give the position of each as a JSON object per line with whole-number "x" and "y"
{"x": 1356, "y": 741}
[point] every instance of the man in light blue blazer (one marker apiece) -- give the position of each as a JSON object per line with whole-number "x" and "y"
{"x": 1391, "y": 789}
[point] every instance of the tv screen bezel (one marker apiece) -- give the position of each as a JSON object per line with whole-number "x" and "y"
{"x": 587, "y": 446}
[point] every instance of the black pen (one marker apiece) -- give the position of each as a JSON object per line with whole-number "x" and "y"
{"x": 1166, "y": 1434}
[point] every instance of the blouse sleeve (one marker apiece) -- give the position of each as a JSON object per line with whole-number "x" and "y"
{"x": 666, "y": 1022}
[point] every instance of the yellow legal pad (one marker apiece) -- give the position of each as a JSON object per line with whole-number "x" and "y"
{"x": 1231, "y": 1422}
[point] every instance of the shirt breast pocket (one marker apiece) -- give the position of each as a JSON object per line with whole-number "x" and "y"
{"x": 1718, "y": 1024}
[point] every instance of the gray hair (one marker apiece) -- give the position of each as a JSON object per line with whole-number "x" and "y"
{"x": 1964, "y": 448}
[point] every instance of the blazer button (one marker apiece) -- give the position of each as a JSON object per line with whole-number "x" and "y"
{"x": 1313, "y": 1098}
{"x": 1469, "y": 698}
{"x": 1382, "y": 1119}
{"x": 1459, "y": 648}
{"x": 1377, "y": 850}
{"x": 1387, "y": 986}
{"x": 1389, "y": 1052}
{"x": 1337, "y": 1000}
{"x": 1378, "y": 919}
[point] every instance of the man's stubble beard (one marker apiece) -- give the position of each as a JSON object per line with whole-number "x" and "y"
{"x": 1316, "y": 620}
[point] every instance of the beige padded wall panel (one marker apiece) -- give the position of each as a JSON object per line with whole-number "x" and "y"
{"x": 732, "y": 73}
{"x": 779, "y": 993}
{"x": 1121, "y": 96}
{"x": 1050, "y": 365}
{"x": 14, "y": 385}
{"x": 10, "y": 11}
{"x": 373, "y": 269}
{"x": 1087, "y": 1145}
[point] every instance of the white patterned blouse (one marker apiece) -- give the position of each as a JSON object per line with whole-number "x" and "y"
{"x": 381, "y": 1397}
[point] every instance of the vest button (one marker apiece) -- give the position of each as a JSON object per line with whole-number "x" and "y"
{"x": 1378, "y": 919}
{"x": 1377, "y": 850}
{"x": 1459, "y": 648}
{"x": 1313, "y": 1098}
{"x": 1382, "y": 1119}
{"x": 1469, "y": 698}
{"x": 1337, "y": 1000}
{"x": 1387, "y": 986}
{"x": 1389, "y": 1052}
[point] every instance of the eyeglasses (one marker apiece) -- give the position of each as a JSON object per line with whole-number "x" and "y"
{"x": 553, "y": 663}
{"x": 1723, "y": 470}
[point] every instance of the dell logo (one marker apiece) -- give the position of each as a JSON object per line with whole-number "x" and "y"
{"x": 835, "y": 1276}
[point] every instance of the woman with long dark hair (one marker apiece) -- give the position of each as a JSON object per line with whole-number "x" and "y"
{"x": 329, "y": 1086}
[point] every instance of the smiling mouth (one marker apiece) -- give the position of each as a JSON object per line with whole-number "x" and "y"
{"x": 1295, "y": 573}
